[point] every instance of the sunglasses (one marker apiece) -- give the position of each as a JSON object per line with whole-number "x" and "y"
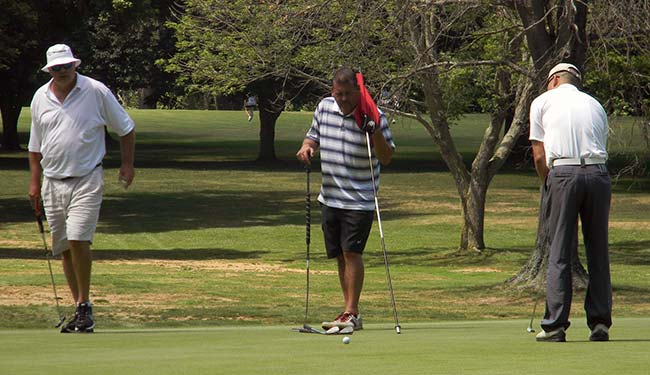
{"x": 57, "y": 68}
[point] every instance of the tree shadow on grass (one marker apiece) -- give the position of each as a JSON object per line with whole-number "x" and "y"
{"x": 162, "y": 212}
{"x": 630, "y": 252}
{"x": 119, "y": 254}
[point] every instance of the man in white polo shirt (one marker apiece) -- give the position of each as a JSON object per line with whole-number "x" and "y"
{"x": 66, "y": 147}
{"x": 568, "y": 131}
{"x": 346, "y": 194}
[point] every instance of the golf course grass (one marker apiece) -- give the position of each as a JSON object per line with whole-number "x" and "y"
{"x": 466, "y": 347}
{"x": 200, "y": 265}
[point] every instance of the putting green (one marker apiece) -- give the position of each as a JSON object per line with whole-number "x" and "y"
{"x": 475, "y": 347}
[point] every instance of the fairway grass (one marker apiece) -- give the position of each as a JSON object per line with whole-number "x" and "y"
{"x": 468, "y": 347}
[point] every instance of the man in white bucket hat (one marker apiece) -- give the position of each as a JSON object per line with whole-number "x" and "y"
{"x": 66, "y": 148}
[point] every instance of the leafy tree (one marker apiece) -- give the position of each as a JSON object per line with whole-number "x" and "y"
{"x": 124, "y": 40}
{"x": 27, "y": 29}
{"x": 280, "y": 50}
{"x": 18, "y": 28}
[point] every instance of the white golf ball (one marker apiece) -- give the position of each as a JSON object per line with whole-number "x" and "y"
{"x": 346, "y": 340}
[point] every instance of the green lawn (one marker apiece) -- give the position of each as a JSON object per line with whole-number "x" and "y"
{"x": 208, "y": 237}
{"x": 467, "y": 347}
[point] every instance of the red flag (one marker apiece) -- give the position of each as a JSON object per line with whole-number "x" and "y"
{"x": 366, "y": 106}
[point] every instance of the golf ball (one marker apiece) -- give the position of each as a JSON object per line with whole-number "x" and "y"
{"x": 346, "y": 340}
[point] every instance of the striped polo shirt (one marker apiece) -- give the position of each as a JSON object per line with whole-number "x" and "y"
{"x": 345, "y": 168}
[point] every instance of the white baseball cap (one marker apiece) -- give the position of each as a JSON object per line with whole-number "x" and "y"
{"x": 59, "y": 54}
{"x": 565, "y": 67}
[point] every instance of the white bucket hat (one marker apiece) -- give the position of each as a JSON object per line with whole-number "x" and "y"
{"x": 565, "y": 67}
{"x": 59, "y": 54}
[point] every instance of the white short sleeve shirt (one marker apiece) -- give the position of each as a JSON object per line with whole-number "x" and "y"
{"x": 570, "y": 123}
{"x": 70, "y": 136}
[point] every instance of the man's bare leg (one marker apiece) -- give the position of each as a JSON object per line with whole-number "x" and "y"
{"x": 82, "y": 266}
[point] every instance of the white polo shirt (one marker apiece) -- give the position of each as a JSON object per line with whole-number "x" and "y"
{"x": 571, "y": 124}
{"x": 70, "y": 136}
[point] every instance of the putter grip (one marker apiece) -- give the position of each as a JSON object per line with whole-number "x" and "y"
{"x": 39, "y": 220}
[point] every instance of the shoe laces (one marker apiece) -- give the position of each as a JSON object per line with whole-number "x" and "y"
{"x": 347, "y": 316}
{"x": 339, "y": 318}
{"x": 84, "y": 310}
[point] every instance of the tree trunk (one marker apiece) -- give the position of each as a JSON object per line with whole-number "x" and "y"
{"x": 473, "y": 203}
{"x": 551, "y": 41}
{"x": 10, "y": 108}
{"x": 267, "y": 135}
{"x": 533, "y": 273}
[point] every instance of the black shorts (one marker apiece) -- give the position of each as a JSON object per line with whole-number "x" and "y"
{"x": 345, "y": 230}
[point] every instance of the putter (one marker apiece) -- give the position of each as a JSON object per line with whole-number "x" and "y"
{"x": 398, "y": 329}
{"x": 530, "y": 325}
{"x": 332, "y": 331}
{"x": 39, "y": 220}
{"x": 307, "y": 241}
{"x": 306, "y": 328}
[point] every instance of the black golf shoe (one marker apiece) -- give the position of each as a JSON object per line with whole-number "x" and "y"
{"x": 599, "y": 333}
{"x": 85, "y": 321}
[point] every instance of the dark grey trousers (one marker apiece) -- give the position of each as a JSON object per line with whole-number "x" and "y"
{"x": 571, "y": 192}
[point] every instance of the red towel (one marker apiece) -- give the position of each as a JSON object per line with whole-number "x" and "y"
{"x": 366, "y": 106}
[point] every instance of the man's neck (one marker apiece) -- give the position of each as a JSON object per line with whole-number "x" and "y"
{"x": 61, "y": 90}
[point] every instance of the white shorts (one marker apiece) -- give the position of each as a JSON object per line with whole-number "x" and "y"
{"x": 72, "y": 208}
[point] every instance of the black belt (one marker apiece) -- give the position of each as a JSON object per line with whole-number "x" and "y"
{"x": 71, "y": 177}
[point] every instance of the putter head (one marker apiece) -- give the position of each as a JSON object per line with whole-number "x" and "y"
{"x": 398, "y": 329}
{"x": 60, "y": 322}
{"x": 530, "y": 330}
{"x": 332, "y": 331}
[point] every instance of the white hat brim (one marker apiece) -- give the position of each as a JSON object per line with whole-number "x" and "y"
{"x": 61, "y": 61}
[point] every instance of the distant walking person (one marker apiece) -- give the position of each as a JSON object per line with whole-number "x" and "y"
{"x": 568, "y": 130}
{"x": 346, "y": 194}
{"x": 250, "y": 103}
{"x": 66, "y": 147}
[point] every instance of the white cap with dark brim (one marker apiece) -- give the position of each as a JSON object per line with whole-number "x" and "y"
{"x": 59, "y": 54}
{"x": 565, "y": 67}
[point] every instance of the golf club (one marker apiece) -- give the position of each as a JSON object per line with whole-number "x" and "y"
{"x": 530, "y": 325}
{"x": 332, "y": 331}
{"x": 307, "y": 241}
{"x": 398, "y": 329}
{"x": 39, "y": 220}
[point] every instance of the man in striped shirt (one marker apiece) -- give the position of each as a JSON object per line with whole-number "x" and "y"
{"x": 346, "y": 195}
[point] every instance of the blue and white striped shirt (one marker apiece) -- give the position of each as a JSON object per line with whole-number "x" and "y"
{"x": 345, "y": 168}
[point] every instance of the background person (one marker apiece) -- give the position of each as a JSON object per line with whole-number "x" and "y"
{"x": 346, "y": 194}
{"x": 568, "y": 131}
{"x": 66, "y": 147}
{"x": 250, "y": 103}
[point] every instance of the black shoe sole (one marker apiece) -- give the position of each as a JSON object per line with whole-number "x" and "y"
{"x": 553, "y": 339}
{"x": 599, "y": 337}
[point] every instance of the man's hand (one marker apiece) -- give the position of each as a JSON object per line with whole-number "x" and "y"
{"x": 35, "y": 199}
{"x": 368, "y": 125}
{"x": 307, "y": 151}
{"x": 126, "y": 176}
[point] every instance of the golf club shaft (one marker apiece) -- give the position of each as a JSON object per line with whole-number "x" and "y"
{"x": 41, "y": 229}
{"x": 530, "y": 325}
{"x": 307, "y": 239}
{"x": 398, "y": 329}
